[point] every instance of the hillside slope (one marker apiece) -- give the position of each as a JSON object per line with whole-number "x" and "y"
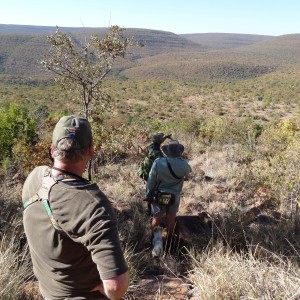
{"x": 23, "y": 47}
{"x": 164, "y": 55}
{"x": 223, "y": 64}
{"x": 225, "y": 40}
{"x": 282, "y": 50}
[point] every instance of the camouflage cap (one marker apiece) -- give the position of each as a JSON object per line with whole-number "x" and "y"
{"x": 73, "y": 127}
{"x": 158, "y": 138}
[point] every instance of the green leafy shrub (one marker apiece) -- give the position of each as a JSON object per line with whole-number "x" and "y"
{"x": 15, "y": 125}
{"x": 275, "y": 162}
{"x": 112, "y": 144}
{"x": 276, "y": 137}
{"x": 224, "y": 130}
{"x": 281, "y": 171}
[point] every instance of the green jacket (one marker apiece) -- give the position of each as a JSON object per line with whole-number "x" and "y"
{"x": 153, "y": 152}
{"x": 161, "y": 176}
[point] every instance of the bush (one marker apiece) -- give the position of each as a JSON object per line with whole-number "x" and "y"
{"x": 227, "y": 130}
{"x": 15, "y": 126}
{"x": 278, "y": 136}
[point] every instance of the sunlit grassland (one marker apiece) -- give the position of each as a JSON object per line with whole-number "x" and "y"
{"x": 243, "y": 134}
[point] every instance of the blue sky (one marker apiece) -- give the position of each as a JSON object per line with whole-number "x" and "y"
{"x": 267, "y": 17}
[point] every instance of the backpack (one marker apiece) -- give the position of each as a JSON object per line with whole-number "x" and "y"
{"x": 145, "y": 168}
{"x": 152, "y": 154}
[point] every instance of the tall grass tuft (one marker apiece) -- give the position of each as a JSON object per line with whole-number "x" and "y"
{"x": 222, "y": 274}
{"x": 15, "y": 267}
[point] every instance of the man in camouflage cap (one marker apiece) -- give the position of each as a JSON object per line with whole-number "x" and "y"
{"x": 158, "y": 138}
{"x": 72, "y": 232}
{"x": 153, "y": 152}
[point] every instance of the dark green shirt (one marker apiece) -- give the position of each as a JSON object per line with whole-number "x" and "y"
{"x": 70, "y": 266}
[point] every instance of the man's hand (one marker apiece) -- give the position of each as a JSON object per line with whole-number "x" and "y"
{"x": 114, "y": 288}
{"x": 168, "y": 136}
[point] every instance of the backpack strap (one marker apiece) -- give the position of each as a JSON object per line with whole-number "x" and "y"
{"x": 171, "y": 170}
{"x": 31, "y": 200}
{"x": 43, "y": 195}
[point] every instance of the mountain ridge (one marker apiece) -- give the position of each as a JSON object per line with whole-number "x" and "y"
{"x": 165, "y": 55}
{"x": 225, "y": 40}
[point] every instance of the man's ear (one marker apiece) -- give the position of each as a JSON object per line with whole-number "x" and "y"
{"x": 52, "y": 149}
{"x": 90, "y": 151}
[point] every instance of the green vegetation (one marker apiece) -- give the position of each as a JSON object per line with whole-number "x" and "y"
{"x": 81, "y": 70}
{"x": 15, "y": 127}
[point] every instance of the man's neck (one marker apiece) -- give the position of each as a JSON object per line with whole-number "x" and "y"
{"x": 77, "y": 168}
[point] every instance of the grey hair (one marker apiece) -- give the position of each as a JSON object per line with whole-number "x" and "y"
{"x": 69, "y": 150}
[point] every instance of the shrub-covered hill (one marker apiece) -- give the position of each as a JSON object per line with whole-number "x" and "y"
{"x": 22, "y": 47}
{"x": 225, "y": 40}
{"x": 283, "y": 50}
{"x": 163, "y": 55}
{"x": 224, "y": 64}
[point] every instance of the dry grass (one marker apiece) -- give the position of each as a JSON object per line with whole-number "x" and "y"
{"x": 216, "y": 273}
{"x": 221, "y": 274}
{"x": 220, "y": 263}
{"x": 15, "y": 266}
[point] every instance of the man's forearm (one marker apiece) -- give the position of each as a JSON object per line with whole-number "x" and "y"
{"x": 110, "y": 293}
{"x": 115, "y": 288}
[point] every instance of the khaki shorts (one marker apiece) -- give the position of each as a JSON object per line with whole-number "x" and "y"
{"x": 158, "y": 210}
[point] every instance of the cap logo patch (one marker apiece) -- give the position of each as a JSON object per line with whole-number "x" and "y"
{"x": 70, "y": 132}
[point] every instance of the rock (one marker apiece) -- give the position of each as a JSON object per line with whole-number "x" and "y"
{"x": 205, "y": 218}
{"x": 208, "y": 178}
{"x": 250, "y": 215}
{"x": 266, "y": 220}
{"x": 30, "y": 290}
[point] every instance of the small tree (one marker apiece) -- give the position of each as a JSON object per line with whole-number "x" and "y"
{"x": 82, "y": 69}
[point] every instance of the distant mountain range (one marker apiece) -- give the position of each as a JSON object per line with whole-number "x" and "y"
{"x": 165, "y": 55}
{"x": 225, "y": 40}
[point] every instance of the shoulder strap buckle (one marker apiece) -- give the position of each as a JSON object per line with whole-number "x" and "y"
{"x": 31, "y": 200}
{"x": 43, "y": 195}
